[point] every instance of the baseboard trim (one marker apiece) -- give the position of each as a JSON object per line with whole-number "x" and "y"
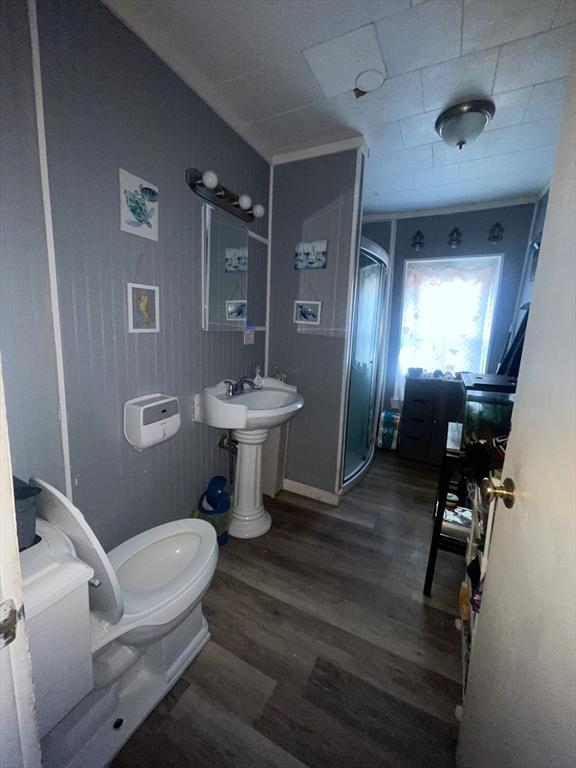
{"x": 310, "y": 492}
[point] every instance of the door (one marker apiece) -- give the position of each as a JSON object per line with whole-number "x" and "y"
{"x": 521, "y": 697}
{"x": 364, "y": 363}
{"x": 19, "y": 744}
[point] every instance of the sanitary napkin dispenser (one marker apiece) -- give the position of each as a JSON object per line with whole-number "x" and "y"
{"x": 150, "y": 420}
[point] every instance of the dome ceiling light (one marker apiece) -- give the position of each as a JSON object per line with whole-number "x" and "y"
{"x": 463, "y": 123}
{"x": 367, "y": 81}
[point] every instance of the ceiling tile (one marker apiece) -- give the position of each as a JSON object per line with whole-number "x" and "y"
{"x": 523, "y": 136}
{"x": 376, "y": 182}
{"x": 540, "y": 159}
{"x": 445, "y": 155}
{"x": 340, "y": 16}
{"x": 566, "y": 13}
{"x": 453, "y": 81}
{"x": 534, "y": 60}
{"x": 432, "y": 177}
{"x": 403, "y": 160}
{"x": 493, "y": 22}
{"x": 305, "y": 127}
{"x": 397, "y": 98}
{"x": 284, "y": 85}
{"x": 337, "y": 62}
{"x": 510, "y": 108}
{"x": 419, "y": 129}
{"x": 421, "y": 36}
{"x": 276, "y": 27}
{"x": 180, "y": 27}
{"x": 384, "y": 138}
{"x": 546, "y": 100}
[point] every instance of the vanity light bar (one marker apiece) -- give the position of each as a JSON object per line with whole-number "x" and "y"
{"x": 207, "y": 186}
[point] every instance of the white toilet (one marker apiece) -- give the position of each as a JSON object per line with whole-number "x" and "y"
{"x": 109, "y": 634}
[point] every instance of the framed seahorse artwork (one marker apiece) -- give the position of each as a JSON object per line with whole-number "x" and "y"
{"x": 143, "y": 307}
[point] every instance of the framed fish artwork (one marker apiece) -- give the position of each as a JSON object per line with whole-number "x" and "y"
{"x": 138, "y": 206}
{"x": 307, "y": 312}
{"x": 143, "y": 304}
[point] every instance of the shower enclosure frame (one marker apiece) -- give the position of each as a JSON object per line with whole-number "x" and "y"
{"x": 380, "y": 254}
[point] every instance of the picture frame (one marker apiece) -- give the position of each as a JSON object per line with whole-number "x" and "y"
{"x": 143, "y": 302}
{"x": 311, "y": 255}
{"x": 138, "y": 206}
{"x": 307, "y": 312}
{"x": 236, "y": 310}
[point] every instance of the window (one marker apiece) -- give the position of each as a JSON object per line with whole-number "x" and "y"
{"x": 447, "y": 315}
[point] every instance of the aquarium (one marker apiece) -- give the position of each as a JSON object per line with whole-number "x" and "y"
{"x": 487, "y": 415}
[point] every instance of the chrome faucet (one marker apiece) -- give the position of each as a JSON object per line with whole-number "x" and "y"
{"x": 236, "y": 388}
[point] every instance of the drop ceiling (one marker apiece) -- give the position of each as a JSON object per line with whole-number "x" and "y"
{"x": 282, "y": 72}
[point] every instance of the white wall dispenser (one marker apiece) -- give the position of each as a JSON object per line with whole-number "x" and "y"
{"x": 150, "y": 420}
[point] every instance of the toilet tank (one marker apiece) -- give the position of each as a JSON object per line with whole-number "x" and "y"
{"x": 58, "y": 624}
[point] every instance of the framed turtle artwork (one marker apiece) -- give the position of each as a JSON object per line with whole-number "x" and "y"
{"x": 138, "y": 206}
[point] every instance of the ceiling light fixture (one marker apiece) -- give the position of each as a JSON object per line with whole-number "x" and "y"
{"x": 367, "y": 81}
{"x": 463, "y": 123}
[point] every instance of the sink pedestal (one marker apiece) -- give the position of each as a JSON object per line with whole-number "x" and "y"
{"x": 249, "y": 518}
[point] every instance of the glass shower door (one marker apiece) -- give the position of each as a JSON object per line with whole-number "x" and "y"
{"x": 364, "y": 364}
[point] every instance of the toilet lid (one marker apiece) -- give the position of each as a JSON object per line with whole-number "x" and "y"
{"x": 105, "y": 599}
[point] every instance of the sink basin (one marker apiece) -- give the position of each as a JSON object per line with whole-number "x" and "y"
{"x": 263, "y": 408}
{"x": 251, "y": 415}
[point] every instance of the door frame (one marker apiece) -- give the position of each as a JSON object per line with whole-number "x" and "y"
{"x": 378, "y": 253}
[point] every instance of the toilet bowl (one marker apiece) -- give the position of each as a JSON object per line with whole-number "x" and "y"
{"x": 143, "y": 618}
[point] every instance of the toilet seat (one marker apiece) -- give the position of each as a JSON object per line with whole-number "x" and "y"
{"x": 148, "y": 580}
{"x": 106, "y": 600}
{"x": 159, "y": 568}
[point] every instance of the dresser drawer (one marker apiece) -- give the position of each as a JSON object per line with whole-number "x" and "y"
{"x": 417, "y": 429}
{"x": 419, "y": 409}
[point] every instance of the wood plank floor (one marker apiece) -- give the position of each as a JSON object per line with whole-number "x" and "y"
{"x": 324, "y": 652}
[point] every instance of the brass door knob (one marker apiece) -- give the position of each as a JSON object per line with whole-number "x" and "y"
{"x": 507, "y": 492}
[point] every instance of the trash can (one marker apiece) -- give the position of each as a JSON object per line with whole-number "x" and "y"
{"x": 214, "y": 507}
{"x": 25, "y": 503}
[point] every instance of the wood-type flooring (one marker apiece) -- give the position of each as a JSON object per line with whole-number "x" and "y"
{"x": 324, "y": 652}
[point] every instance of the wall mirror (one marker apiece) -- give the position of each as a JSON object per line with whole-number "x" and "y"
{"x": 225, "y": 264}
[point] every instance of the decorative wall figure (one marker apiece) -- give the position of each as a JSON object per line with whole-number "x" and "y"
{"x": 138, "y": 206}
{"x": 311, "y": 255}
{"x": 454, "y": 238}
{"x": 418, "y": 240}
{"x": 496, "y": 233}
{"x": 143, "y": 308}
{"x": 307, "y": 312}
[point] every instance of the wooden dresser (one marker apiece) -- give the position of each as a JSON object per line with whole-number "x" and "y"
{"x": 429, "y": 404}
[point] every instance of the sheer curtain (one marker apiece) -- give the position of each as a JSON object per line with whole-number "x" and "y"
{"x": 447, "y": 315}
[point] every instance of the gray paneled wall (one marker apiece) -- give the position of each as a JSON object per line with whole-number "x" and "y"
{"x": 26, "y": 331}
{"x": 111, "y": 103}
{"x": 475, "y": 226}
{"x": 313, "y": 199}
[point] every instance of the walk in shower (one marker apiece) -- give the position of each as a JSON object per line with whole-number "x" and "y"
{"x": 365, "y": 374}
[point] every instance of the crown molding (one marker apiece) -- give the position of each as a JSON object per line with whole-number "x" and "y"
{"x": 420, "y": 213}
{"x": 322, "y": 149}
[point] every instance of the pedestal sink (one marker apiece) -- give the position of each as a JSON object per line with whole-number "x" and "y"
{"x": 250, "y": 415}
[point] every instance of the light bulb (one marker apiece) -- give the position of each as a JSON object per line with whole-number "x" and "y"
{"x": 245, "y": 202}
{"x": 210, "y": 179}
{"x": 258, "y": 211}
